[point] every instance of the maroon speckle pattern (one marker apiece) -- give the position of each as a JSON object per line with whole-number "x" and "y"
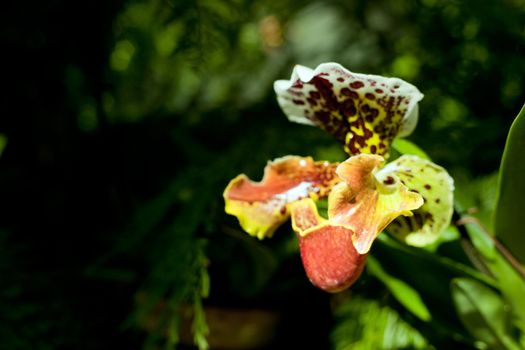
{"x": 357, "y": 85}
{"x": 389, "y": 180}
{"x": 362, "y": 116}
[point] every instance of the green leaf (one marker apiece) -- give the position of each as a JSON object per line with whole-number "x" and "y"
{"x": 510, "y": 205}
{"x": 363, "y": 323}
{"x": 482, "y": 241}
{"x": 199, "y": 326}
{"x": 412, "y": 259}
{"x": 513, "y": 288}
{"x": 430, "y": 275}
{"x": 405, "y": 294}
{"x": 404, "y": 146}
{"x": 3, "y": 143}
{"x": 483, "y": 313}
{"x": 510, "y": 283}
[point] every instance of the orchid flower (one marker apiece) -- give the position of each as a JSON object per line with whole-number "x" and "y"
{"x": 410, "y": 197}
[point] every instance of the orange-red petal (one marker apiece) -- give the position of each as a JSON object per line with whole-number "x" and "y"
{"x": 262, "y": 206}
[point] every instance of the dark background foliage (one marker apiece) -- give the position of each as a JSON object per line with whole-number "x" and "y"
{"x": 126, "y": 119}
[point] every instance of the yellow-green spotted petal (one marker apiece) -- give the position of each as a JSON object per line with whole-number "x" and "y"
{"x": 364, "y": 112}
{"x": 368, "y": 199}
{"x": 262, "y": 206}
{"x": 436, "y": 187}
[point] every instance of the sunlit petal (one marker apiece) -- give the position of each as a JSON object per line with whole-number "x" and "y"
{"x": 261, "y": 207}
{"x": 305, "y": 216}
{"x": 364, "y": 112}
{"x": 436, "y": 187}
{"x": 368, "y": 199}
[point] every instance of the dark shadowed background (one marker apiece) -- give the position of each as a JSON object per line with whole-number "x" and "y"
{"x": 125, "y": 120}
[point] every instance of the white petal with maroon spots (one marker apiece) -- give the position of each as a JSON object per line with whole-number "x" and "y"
{"x": 364, "y": 112}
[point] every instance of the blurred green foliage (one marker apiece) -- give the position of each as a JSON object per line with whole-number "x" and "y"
{"x": 483, "y": 313}
{"x": 126, "y": 119}
{"x": 367, "y": 323}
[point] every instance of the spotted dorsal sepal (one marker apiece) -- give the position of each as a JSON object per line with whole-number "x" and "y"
{"x": 364, "y": 112}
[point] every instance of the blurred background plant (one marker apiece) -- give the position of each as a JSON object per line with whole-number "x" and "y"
{"x": 126, "y": 119}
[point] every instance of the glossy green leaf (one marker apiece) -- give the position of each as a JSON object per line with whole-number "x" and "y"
{"x": 483, "y": 313}
{"x": 481, "y": 241}
{"x": 404, "y": 146}
{"x": 404, "y": 293}
{"x": 513, "y": 288}
{"x": 510, "y": 207}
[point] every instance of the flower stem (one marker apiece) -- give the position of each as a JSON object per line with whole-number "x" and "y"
{"x": 461, "y": 221}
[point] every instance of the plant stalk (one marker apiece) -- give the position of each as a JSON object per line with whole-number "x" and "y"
{"x": 461, "y": 221}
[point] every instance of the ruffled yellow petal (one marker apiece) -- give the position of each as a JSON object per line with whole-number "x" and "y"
{"x": 305, "y": 216}
{"x": 262, "y": 206}
{"x": 368, "y": 199}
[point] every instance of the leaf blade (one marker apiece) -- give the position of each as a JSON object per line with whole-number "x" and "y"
{"x": 483, "y": 313}
{"x": 510, "y": 205}
{"x": 404, "y": 146}
{"x": 403, "y": 292}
